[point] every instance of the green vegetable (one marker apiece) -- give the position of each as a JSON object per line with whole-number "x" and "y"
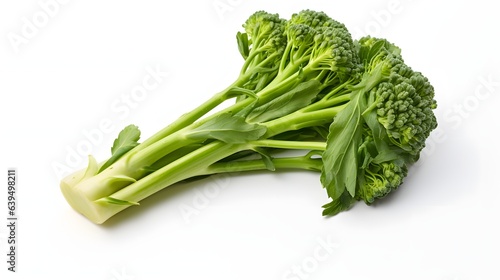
{"x": 359, "y": 113}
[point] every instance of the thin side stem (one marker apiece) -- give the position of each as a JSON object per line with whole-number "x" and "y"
{"x": 189, "y": 118}
{"x": 301, "y": 119}
{"x": 255, "y": 165}
{"x": 285, "y": 144}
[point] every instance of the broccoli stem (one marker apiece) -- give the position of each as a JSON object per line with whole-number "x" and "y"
{"x": 294, "y": 121}
{"x": 301, "y": 119}
{"x": 135, "y": 164}
{"x": 205, "y": 154}
{"x": 304, "y": 163}
{"x": 118, "y": 183}
{"x": 87, "y": 197}
{"x": 285, "y": 144}
{"x": 173, "y": 136}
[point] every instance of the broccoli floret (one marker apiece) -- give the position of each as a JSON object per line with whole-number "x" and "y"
{"x": 320, "y": 48}
{"x": 406, "y": 114}
{"x": 262, "y": 46}
{"x": 300, "y": 38}
{"x": 314, "y": 19}
{"x": 382, "y": 129}
{"x": 333, "y": 47}
{"x": 265, "y": 29}
{"x": 404, "y": 107}
{"x": 317, "y": 49}
{"x": 368, "y": 47}
{"x": 334, "y": 50}
{"x": 379, "y": 179}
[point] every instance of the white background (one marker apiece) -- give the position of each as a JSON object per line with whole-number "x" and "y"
{"x": 76, "y": 69}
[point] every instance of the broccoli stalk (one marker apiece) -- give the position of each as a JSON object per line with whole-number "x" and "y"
{"x": 102, "y": 195}
{"x": 305, "y": 84}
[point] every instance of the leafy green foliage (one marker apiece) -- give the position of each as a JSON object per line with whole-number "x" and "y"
{"x": 229, "y": 129}
{"x": 116, "y": 201}
{"x": 242, "y": 39}
{"x": 340, "y": 166}
{"x": 343, "y": 203}
{"x": 126, "y": 141}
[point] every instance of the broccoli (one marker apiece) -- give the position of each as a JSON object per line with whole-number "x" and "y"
{"x": 357, "y": 110}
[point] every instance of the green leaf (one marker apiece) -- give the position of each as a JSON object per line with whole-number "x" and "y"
{"x": 343, "y": 203}
{"x": 116, "y": 201}
{"x": 229, "y": 129}
{"x": 247, "y": 110}
{"x": 340, "y": 159}
{"x": 242, "y": 39}
{"x": 238, "y": 91}
{"x": 367, "y": 52}
{"x": 119, "y": 178}
{"x": 92, "y": 168}
{"x": 298, "y": 97}
{"x": 322, "y": 131}
{"x": 375, "y": 49}
{"x": 127, "y": 137}
{"x": 385, "y": 151}
{"x": 126, "y": 141}
{"x": 266, "y": 158}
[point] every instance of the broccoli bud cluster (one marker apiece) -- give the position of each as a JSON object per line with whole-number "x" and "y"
{"x": 396, "y": 107}
{"x": 394, "y": 103}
